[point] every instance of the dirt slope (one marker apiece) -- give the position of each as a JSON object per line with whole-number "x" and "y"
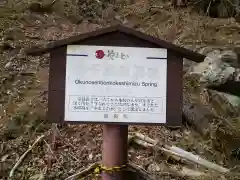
{"x": 23, "y": 90}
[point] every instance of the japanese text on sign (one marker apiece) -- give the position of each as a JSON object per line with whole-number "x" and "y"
{"x": 115, "y": 104}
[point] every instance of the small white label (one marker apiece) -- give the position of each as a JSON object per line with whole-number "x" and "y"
{"x": 116, "y": 84}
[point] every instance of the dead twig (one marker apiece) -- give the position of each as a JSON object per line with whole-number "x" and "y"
{"x": 172, "y": 169}
{"x": 194, "y": 158}
{"x": 35, "y": 130}
{"x": 146, "y": 138}
{"x": 49, "y": 147}
{"x": 55, "y": 135}
{"x": 75, "y": 158}
{"x": 177, "y": 152}
{"x": 139, "y": 170}
{"x": 24, "y": 155}
{"x": 83, "y": 172}
{"x": 50, "y": 155}
{"x": 143, "y": 143}
{"x": 178, "y": 171}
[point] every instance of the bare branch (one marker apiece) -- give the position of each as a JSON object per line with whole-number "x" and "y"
{"x": 83, "y": 172}
{"x": 24, "y": 155}
{"x": 176, "y": 151}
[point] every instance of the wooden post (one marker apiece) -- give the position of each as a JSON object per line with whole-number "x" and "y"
{"x": 115, "y": 150}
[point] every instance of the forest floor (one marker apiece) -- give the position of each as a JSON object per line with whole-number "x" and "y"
{"x": 24, "y": 82}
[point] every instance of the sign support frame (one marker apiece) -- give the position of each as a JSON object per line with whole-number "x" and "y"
{"x": 115, "y": 136}
{"x": 115, "y": 151}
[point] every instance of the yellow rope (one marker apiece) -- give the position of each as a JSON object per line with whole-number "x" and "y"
{"x": 100, "y": 169}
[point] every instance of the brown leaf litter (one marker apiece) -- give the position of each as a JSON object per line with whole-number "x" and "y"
{"x": 23, "y": 97}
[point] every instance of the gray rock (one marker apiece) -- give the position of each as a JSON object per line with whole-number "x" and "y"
{"x": 217, "y": 68}
{"x": 237, "y": 75}
{"x": 225, "y": 104}
{"x": 210, "y": 51}
{"x": 230, "y": 57}
{"x": 237, "y": 48}
{"x": 9, "y": 65}
{"x": 233, "y": 100}
{"x": 187, "y": 64}
{"x": 154, "y": 167}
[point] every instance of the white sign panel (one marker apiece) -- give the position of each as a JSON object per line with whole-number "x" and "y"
{"x": 115, "y": 84}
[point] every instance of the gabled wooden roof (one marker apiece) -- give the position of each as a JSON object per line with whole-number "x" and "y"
{"x": 182, "y": 52}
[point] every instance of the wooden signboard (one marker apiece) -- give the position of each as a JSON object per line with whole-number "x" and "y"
{"x": 116, "y": 84}
{"x": 115, "y": 76}
{"x": 137, "y": 85}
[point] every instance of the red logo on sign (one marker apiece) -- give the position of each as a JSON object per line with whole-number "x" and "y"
{"x": 99, "y": 54}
